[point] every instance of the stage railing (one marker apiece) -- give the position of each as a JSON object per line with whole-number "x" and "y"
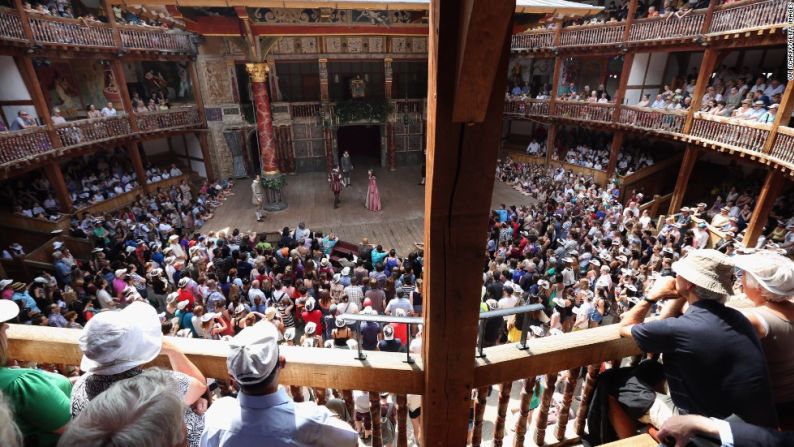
{"x": 737, "y": 134}
{"x": 73, "y": 133}
{"x": 672, "y": 27}
{"x": 748, "y": 15}
{"x": 589, "y": 35}
{"x": 654, "y": 120}
{"x": 23, "y": 144}
{"x": 11, "y": 25}
{"x": 66, "y": 31}
{"x": 533, "y": 40}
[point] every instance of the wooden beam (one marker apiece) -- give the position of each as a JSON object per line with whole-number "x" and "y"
{"x": 137, "y": 163}
{"x": 687, "y": 164}
{"x": 707, "y": 65}
{"x": 117, "y": 69}
{"x": 555, "y": 84}
{"x": 617, "y": 144}
{"x": 766, "y": 199}
{"x": 630, "y": 19}
{"x": 484, "y": 25}
{"x": 55, "y": 177}
{"x": 194, "y": 82}
{"x": 620, "y": 93}
{"x": 709, "y": 16}
{"x": 23, "y": 15}
{"x": 783, "y": 113}
{"x": 31, "y": 79}
{"x": 551, "y": 140}
{"x": 206, "y": 153}
{"x": 111, "y": 17}
{"x": 457, "y": 211}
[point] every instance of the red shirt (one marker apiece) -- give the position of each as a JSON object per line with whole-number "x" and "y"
{"x": 401, "y": 332}
{"x": 314, "y": 316}
{"x": 185, "y": 294}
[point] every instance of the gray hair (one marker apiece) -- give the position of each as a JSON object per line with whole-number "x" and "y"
{"x": 10, "y": 435}
{"x": 144, "y": 411}
{"x": 710, "y": 295}
{"x": 751, "y": 283}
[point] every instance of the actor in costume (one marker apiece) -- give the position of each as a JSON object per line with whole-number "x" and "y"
{"x": 347, "y": 167}
{"x": 373, "y": 196}
{"x": 335, "y": 180}
{"x": 258, "y": 198}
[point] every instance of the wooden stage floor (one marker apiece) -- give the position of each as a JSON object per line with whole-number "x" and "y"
{"x": 398, "y": 225}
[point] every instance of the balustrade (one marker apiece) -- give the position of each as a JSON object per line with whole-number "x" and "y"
{"x": 657, "y": 120}
{"x": 85, "y": 131}
{"x": 10, "y": 25}
{"x": 586, "y": 35}
{"x": 409, "y": 105}
{"x": 743, "y": 136}
{"x": 21, "y": 144}
{"x": 580, "y": 110}
{"x": 527, "y": 107}
{"x": 783, "y": 149}
{"x": 168, "y": 119}
{"x": 741, "y": 16}
{"x": 66, "y": 31}
{"x": 305, "y": 109}
{"x": 671, "y": 27}
{"x": 140, "y": 38}
{"x": 533, "y": 40}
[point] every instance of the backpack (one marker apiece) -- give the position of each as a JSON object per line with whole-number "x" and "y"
{"x": 387, "y": 427}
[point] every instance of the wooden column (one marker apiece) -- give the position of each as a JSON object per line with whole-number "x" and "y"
{"x": 121, "y": 84}
{"x": 465, "y": 108}
{"x": 112, "y": 21}
{"x": 603, "y": 71}
{"x": 55, "y": 177}
{"x": 629, "y": 19}
{"x": 625, "y": 72}
{"x": 387, "y": 71}
{"x": 137, "y": 162}
{"x": 769, "y": 193}
{"x": 202, "y": 136}
{"x": 555, "y": 85}
{"x": 551, "y": 140}
{"x": 23, "y": 15}
{"x": 783, "y": 115}
{"x": 617, "y": 143}
{"x": 709, "y": 16}
{"x": 707, "y": 66}
{"x": 28, "y": 72}
{"x": 194, "y": 82}
{"x": 687, "y": 164}
{"x": 323, "y": 63}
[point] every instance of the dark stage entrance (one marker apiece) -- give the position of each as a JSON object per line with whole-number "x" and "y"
{"x": 363, "y": 143}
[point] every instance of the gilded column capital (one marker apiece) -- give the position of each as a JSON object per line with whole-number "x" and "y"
{"x": 257, "y": 71}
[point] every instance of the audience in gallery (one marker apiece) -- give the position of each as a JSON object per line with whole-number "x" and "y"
{"x": 89, "y": 15}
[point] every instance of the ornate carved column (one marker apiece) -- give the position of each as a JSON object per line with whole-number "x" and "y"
{"x": 323, "y": 78}
{"x": 272, "y": 180}
{"x": 387, "y": 76}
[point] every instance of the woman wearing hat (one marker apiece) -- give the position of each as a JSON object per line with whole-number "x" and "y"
{"x": 39, "y": 399}
{"x": 768, "y": 281}
{"x": 116, "y": 344}
{"x": 341, "y": 333}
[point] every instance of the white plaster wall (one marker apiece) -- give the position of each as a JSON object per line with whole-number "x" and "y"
{"x": 193, "y": 146}
{"x": 13, "y": 87}
{"x": 153, "y": 147}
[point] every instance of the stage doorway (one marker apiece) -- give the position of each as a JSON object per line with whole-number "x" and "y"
{"x": 363, "y": 142}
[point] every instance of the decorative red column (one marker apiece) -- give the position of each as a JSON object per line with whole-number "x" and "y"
{"x": 264, "y": 119}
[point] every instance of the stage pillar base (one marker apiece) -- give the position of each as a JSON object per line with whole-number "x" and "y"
{"x": 273, "y": 183}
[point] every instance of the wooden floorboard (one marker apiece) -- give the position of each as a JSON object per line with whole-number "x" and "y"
{"x": 398, "y": 225}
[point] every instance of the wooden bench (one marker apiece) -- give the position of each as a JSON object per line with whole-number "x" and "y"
{"x": 643, "y": 440}
{"x": 342, "y": 249}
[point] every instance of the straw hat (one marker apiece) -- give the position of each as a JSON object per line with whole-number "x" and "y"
{"x": 708, "y": 269}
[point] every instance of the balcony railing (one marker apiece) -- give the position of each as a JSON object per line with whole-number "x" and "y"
{"x": 602, "y": 34}
{"x": 527, "y": 107}
{"x": 65, "y": 31}
{"x": 783, "y": 150}
{"x": 86, "y": 131}
{"x": 140, "y": 38}
{"x": 743, "y": 136}
{"x": 655, "y": 120}
{"x": 410, "y": 105}
{"x": 22, "y": 144}
{"x": 533, "y": 40}
{"x": 168, "y": 119}
{"x": 305, "y": 109}
{"x": 672, "y": 27}
{"x": 748, "y": 15}
{"x": 581, "y": 110}
{"x": 11, "y": 25}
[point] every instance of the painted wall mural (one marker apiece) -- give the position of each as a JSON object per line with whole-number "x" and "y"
{"x": 286, "y": 16}
{"x": 350, "y": 45}
{"x": 73, "y": 87}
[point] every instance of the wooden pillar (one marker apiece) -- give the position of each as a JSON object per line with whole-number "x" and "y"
{"x": 121, "y": 84}
{"x": 387, "y": 70}
{"x": 194, "y": 82}
{"x": 687, "y": 164}
{"x": 709, "y": 16}
{"x": 625, "y": 72}
{"x": 603, "y": 71}
{"x": 783, "y": 115}
{"x": 112, "y": 21}
{"x": 23, "y": 15}
{"x": 264, "y": 117}
{"x": 465, "y": 110}
{"x": 206, "y": 154}
{"x": 630, "y": 19}
{"x": 55, "y": 177}
{"x": 551, "y": 141}
{"x": 617, "y": 143}
{"x": 28, "y": 72}
{"x": 137, "y": 163}
{"x": 707, "y": 66}
{"x": 323, "y": 63}
{"x": 555, "y": 84}
{"x": 769, "y": 193}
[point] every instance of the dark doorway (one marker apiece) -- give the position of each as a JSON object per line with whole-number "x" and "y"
{"x": 363, "y": 143}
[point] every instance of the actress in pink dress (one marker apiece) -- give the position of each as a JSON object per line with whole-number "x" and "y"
{"x": 373, "y": 196}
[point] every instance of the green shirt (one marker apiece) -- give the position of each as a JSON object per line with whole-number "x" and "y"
{"x": 40, "y": 402}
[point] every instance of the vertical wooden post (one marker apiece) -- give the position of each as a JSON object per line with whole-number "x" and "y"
{"x": 28, "y": 72}
{"x": 617, "y": 143}
{"x": 55, "y": 177}
{"x": 479, "y": 411}
{"x": 463, "y": 34}
{"x": 709, "y": 16}
{"x": 545, "y": 403}
{"x": 206, "y": 154}
{"x": 121, "y": 84}
{"x": 387, "y": 71}
{"x": 630, "y": 19}
{"x": 137, "y": 163}
{"x": 555, "y": 84}
{"x": 783, "y": 113}
{"x": 501, "y": 413}
{"x": 625, "y": 72}
{"x": 769, "y": 193}
{"x": 194, "y": 81}
{"x": 687, "y": 164}
{"x": 112, "y": 21}
{"x": 707, "y": 66}
{"x": 323, "y": 63}
{"x": 23, "y": 16}
{"x": 374, "y": 412}
{"x": 551, "y": 141}
{"x": 523, "y": 413}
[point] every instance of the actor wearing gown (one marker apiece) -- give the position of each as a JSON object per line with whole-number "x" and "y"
{"x": 335, "y": 181}
{"x": 373, "y": 196}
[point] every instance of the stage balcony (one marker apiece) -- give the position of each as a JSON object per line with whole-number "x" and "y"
{"x": 746, "y": 139}
{"x": 748, "y": 20}
{"x": 58, "y": 33}
{"x": 29, "y": 148}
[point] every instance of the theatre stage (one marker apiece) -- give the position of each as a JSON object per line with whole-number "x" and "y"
{"x": 399, "y": 225}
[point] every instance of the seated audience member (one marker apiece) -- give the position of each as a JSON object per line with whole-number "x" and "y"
{"x": 22, "y": 121}
{"x": 144, "y": 410}
{"x": 108, "y": 110}
{"x": 263, "y": 414}
{"x": 680, "y": 430}
{"x": 39, "y": 400}
{"x": 697, "y": 346}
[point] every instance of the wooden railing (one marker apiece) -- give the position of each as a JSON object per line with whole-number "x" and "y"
{"x": 23, "y": 144}
{"x": 655, "y": 120}
{"x": 11, "y": 25}
{"x": 409, "y": 105}
{"x": 305, "y": 109}
{"x": 744, "y": 136}
{"x": 527, "y": 107}
{"x": 783, "y": 150}
{"x": 581, "y": 110}
{"x": 534, "y": 39}
{"x": 66, "y": 31}
{"x": 672, "y": 27}
{"x": 168, "y": 119}
{"x": 587, "y": 35}
{"x": 92, "y": 130}
{"x": 142, "y": 38}
{"x": 748, "y": 15}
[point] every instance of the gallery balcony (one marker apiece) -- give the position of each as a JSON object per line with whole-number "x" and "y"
{"x": 53, "y": 32}
{"x": 584, "y": 111}
{"x": 750, "y": 19}
{"x": 657, "y": 121}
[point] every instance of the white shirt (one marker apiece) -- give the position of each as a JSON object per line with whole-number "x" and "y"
{"x": 253, "y": 293}
{"x": 108, "y": 112}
